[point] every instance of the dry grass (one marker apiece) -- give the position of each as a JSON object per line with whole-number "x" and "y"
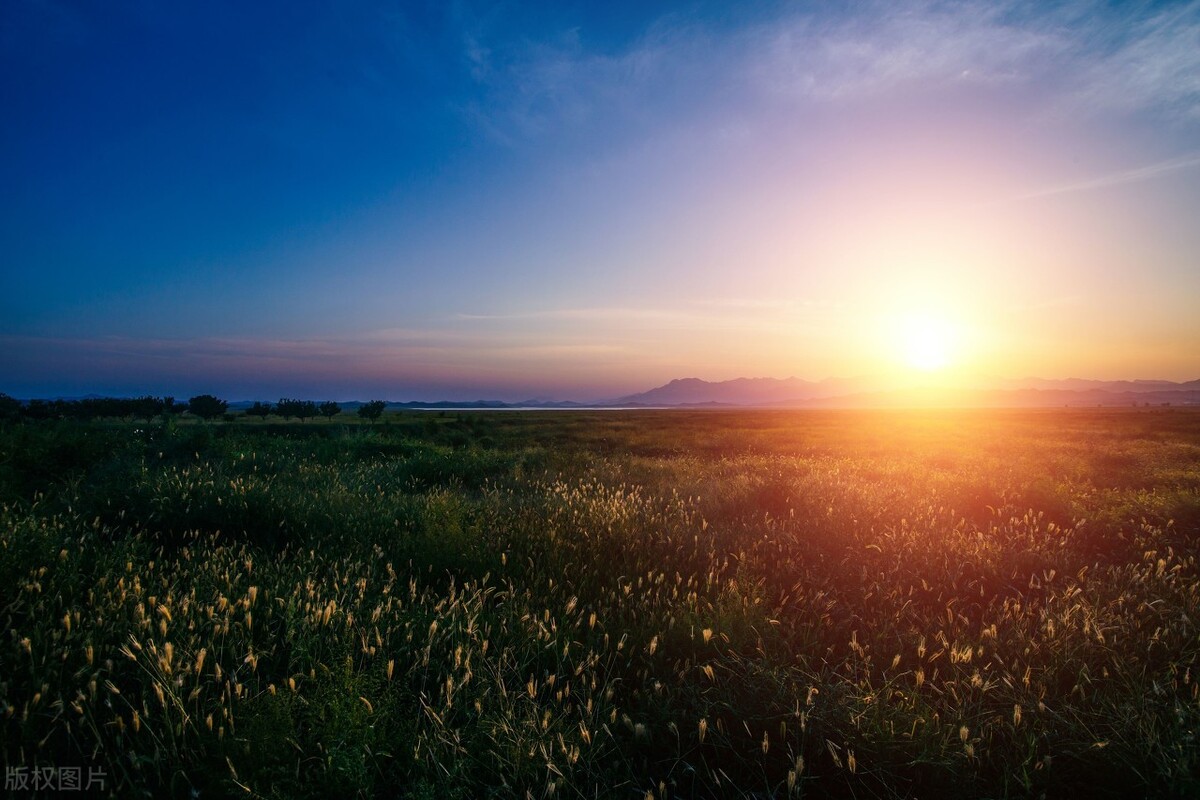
{"x": 621, "y": 605}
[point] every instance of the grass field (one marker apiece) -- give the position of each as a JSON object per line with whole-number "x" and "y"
{"x": 621, "y": 604}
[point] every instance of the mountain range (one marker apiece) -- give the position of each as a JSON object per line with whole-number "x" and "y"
{"x": 848, "y": 393}
{"x": 744, "y": 392}
{"x": 862, "y": 392}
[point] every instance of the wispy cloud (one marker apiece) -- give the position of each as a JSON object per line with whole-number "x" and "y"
{"x": 892, "y": 45}
{"x": 1135, "y": 175}
{"x": 397, "y": 364}
{"x": 384, "y": 349}
{"x": 760, "y": 305}
{"x": 611, "y": 314}
{"x": 648, "y": 325}
{"x": 1153, "y": 62}
{"x": 528, "y": 89}
{"x": 1081, "y": 58}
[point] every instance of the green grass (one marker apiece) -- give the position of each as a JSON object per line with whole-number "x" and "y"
{"x": 622, "y": 604}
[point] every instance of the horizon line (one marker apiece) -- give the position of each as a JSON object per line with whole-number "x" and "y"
{"x": 913, "y": 383}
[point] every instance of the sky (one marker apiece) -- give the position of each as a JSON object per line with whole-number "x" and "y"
{"x": 455, "y": 200}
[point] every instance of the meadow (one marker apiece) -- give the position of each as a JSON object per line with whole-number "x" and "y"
{"x": 637, "y": 604}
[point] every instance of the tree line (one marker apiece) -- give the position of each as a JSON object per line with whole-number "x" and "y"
{"x": 204, "y": 406}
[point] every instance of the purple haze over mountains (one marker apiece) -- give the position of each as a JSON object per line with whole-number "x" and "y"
{"x": 852, "y": 392}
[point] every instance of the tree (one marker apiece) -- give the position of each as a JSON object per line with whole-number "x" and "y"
{"x": 288, "y": 408}
{"x": 306, "y": 409}
{"x": 9, "y": 408}
{"x": 330, "y": 409}
{"x": 206, "y": 406}
{"x": 39, "y": 409}
{"x": 146, "y": 408}
{"x": 372, "y": 410}
{"x": 259, "y": 409}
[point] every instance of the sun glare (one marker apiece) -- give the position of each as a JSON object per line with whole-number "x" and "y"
{"x": 927, "y": 343}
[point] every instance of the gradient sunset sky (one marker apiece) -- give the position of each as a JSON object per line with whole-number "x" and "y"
{"x": 450, "y": 200}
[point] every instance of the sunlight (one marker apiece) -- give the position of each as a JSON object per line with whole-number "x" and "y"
{"x": 926, "y": 342}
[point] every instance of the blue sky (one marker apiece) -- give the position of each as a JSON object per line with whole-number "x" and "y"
{"x": 455, "y": 200}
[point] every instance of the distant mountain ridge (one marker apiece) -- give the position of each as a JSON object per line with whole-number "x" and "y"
{"x": 856, "y": 392}
{"x": 1082, "y": 384}
{"x": 743, "y": 391}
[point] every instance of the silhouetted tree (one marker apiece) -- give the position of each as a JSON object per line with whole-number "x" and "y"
{"x": 93, "y": 407}
{"x": 372, "y": 410}
{"x": 39, "y": 409}
{"x": 259, "y": 409}
{"x": 206, "y": 406}
{"x": 9, "y": 408}
{"x": 330, "y": 409}
{"x": 51, "y": 409}
{"x": 146, "y": 408}
{"x": 306, "y": 409}
{"x": 288, "y": 408}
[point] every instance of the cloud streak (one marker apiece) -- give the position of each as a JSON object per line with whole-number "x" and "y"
{"x": 1083, "y": 58}
{"x": 1154, "y": 63}
{"x": 1080, "y": 58}
{"x": 1121, "y": 178}
{"x": 379, "y": 363}
{"x": 527, "y": 89}
{"x": 613, "y": 314}
{"x": 893, "y": 45}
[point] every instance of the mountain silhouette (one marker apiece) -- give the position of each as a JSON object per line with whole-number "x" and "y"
{"x": 833, "y": 392}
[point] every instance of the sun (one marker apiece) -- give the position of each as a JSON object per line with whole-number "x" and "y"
{"x": 926, "y": 342}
